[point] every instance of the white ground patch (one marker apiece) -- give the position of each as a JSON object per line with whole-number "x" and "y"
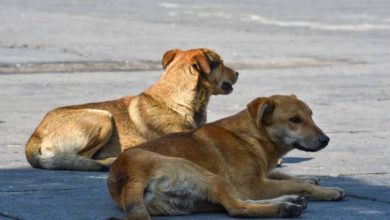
{"x": 317, "y": 25}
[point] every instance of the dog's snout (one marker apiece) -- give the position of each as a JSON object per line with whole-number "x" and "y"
{"x": 324, "y": 140}
{"x": 237, "y": 73}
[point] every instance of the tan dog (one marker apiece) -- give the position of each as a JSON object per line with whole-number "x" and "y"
{"x": 226, "y": 163}
{"x": 91, "y": 136}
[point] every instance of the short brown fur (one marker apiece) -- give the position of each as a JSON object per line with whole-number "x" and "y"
{"x": 228, "y": 163}
{"x": 91, "y": 136}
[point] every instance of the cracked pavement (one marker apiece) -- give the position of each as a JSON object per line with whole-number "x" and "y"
{"x": 333, "y": 54}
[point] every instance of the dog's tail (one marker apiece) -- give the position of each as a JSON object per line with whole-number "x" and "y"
{"x": 69, "y": 162}
{"x": 58, "y": 161}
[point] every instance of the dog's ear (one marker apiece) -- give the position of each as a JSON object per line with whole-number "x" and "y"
{"x": 168, "y": 57}
{"x": 201, "y": 63}
{"x": 260, "y": 110}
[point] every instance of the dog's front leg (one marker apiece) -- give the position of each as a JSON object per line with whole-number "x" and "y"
{"x": 274, "y": 188}
{"x": 275, "y": 175}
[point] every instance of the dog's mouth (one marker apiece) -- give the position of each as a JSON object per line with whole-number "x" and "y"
{"x": 227, "y": 87}
{"x": 298, "y": 146}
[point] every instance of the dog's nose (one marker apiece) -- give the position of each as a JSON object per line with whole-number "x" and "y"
{"x": 237, "y": 73}
{"x": 324, "y": 140}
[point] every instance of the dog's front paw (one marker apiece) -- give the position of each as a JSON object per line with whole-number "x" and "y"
{"x": 336, "y": 193}
{"x": 302, "y": 201}
{"x": 289, "y": 210}
{"x": 299, "y": 200}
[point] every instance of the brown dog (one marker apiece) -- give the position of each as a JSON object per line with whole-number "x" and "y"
{"x": 226, "y": 163}
{"x": 91, "y": 136}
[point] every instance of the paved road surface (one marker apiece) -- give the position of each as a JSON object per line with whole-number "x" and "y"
{"x": 333, "y": 54}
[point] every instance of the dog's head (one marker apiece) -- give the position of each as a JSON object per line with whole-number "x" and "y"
{"x": 288, "y": 122}
{"x": 205, "y": 62}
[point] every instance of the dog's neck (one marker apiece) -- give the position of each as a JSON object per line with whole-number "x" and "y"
{"x": 282, "y": 148}
{"x": 276, "y": 148}
{"x": 263, "y": 147}
{"x": 185, "y": 92}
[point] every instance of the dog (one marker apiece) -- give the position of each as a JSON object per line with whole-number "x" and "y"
{"x": 224, "y": 165}
{"x": 91, "y": 136}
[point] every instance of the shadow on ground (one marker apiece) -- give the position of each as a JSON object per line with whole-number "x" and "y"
{"x": 41, "y": 194}
{"x": 296, "y": 159}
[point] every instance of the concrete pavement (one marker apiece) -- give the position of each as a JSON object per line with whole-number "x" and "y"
{"x": 333, "y": 55}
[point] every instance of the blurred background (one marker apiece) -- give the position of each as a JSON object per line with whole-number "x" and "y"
{"x": 260, "y": 33}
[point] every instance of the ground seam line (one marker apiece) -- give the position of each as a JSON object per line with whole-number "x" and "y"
{"x": 9, "y": 216}
{"x": 367, "y": 198}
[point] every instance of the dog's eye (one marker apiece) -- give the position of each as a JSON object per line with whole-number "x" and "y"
{"x": 214, "y": 64}
{"x": 295, "y": 120}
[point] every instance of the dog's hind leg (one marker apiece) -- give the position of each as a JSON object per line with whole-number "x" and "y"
{"x": 275, "y": 175}
{"x": 133, "y": 203}
{"x": 68, "y": 139}
{"x": 131, "y": 200}
{"x": 275, "y": 188}
{"x": 223, "y": 193}
{"x": 299, "y": 200}
{"x": 192, "y": 186}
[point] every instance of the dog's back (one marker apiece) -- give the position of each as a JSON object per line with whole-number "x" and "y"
{"x": 217, "y": 149}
